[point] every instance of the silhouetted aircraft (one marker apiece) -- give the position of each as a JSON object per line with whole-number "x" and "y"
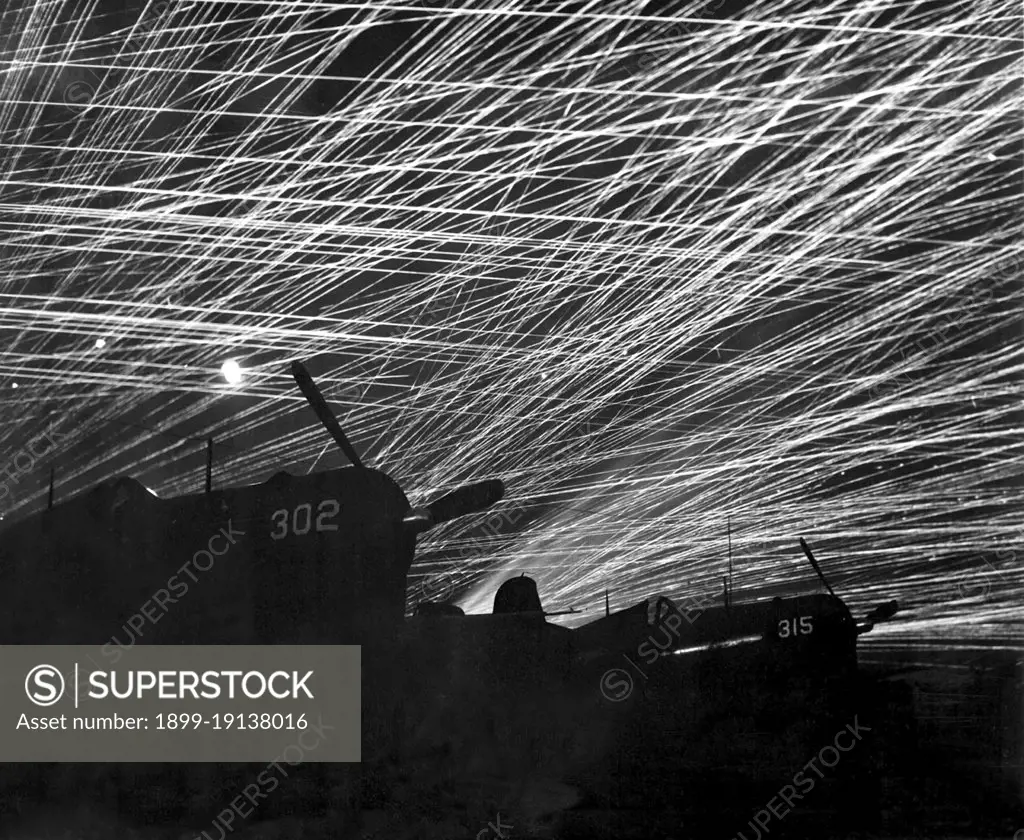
{"x": 504, "y": 710}
{"x": 321, "y": 559}
{"x": 812, "y": 634}
{"x": 323, "y": 555}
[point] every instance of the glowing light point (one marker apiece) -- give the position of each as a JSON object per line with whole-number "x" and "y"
{"x": 231, "y": 371}
{"x": 101, "y": 343}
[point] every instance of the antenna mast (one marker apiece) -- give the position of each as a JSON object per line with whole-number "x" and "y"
{"x": 728, "y": 588}
{"x": 209, "y": 464}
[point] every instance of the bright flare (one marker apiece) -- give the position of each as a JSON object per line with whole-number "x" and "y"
{"x": 232, "y": 372}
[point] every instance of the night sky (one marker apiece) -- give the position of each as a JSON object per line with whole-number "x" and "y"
{"x": 676, "y": 274}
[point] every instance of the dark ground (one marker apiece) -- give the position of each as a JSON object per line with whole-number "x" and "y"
{"x": 942, "y": 758}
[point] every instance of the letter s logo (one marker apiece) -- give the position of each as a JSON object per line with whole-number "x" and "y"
{"x": 965, "y": 589}
{"x": 645, "y": 61}
{"x": 648, "y": 651}
{"x": 616, "y": 685}
{"x": 79, "y": 93}
{"x": 41, "y": 685}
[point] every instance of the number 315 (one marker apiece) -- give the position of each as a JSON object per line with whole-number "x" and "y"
{"x": 302, "y": 519}
{"x": 806, "y": 627}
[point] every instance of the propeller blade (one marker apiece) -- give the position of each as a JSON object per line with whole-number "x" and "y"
{"x": 883, "y": 612}
{"x": 323, "y": 411}
{"x": 469, "y": 499}
{"x": 814, "y": 563}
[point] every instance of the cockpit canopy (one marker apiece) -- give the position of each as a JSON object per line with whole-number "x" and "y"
{"x": 517, "y": 595}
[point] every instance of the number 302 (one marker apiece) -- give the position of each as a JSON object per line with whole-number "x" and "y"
{"x": 806, "y": 627}
{"x": 302, "y": 519}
